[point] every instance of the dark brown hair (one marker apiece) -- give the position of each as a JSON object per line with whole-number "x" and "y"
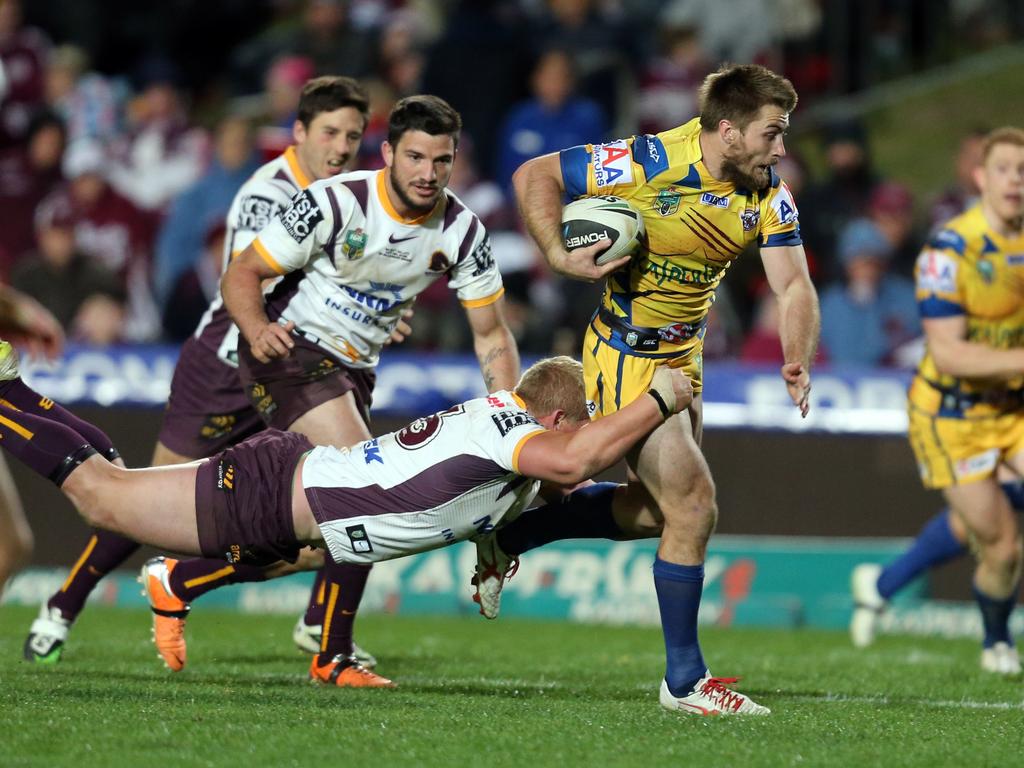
{"x": 328, "y": 93}
{"x": 736, "y": 92}
{"x": 430, "y": 114}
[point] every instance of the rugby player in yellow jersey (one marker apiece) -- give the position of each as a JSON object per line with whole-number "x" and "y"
{"x": 966, "y": 402}
{"x": 706, "y": 190}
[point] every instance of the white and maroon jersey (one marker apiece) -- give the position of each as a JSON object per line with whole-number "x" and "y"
{"x": 442, "y": 479}
{"x": 266, "y": 193}
{"x": 352, "y": 263}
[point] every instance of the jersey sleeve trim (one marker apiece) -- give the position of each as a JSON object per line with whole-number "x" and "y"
{"x": 474, "y": 303}
{"x": 783, "y": 239}
{"x": 519, "y": 447}
{"x": 261, "y": 249}
{"x": 933, "y": 307}
{"x": 574, "y": 162}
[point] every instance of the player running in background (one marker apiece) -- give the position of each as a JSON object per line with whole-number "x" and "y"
{"x": 442, "y": 479}
{"x": 966, "y": 401}
{"x": 706, "y": 190}
{"x": 208, "y": 409}
{"x": 25, "y": 321}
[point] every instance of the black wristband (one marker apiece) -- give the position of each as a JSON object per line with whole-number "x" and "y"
{"x": 665, "y": 412}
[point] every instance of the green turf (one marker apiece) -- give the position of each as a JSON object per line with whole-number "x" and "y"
{"x": 492, "y": 694}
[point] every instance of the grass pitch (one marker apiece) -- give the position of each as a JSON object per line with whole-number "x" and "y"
{"x": 504, "y": 693}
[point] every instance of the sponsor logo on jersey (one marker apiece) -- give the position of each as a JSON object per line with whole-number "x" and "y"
{"x": 936, "y": 272}
{"x": 225, "y": 476}
{"x": 262, "y": 400}
{"x": 483, "y": 256}
{"x": 376, "y": 303}
{"x": 612, "y": 164}
{"x": 371, "y": 452}
{"x": 392, "y": 239}
{"x": 395, "y": 253}
{"x": 665, "y": 271}
{"x": 750, "y": 218}
{"x": 1015, "y": 259}
{"x": 667, "y": 202}
{"x": 358, "y": 538}
{"x": 714, "y": 200}
{"x": 419, "y": 433}
{"x": 216, "y": 427}
{"x": 506, "y": 421}
{"x": 393, "y": 288}
{"x": 301, "y": 216}
{"x": 255, "y": 212}
{"x": 784, "y": 206}
{"x": 591, "y": 408}
{"x": 354, "y": 244}
{"x": 981, "y": 462}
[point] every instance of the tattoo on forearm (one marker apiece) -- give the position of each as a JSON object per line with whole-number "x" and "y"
{"x": 485, "y": 366}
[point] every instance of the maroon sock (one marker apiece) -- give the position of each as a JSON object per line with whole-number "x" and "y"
{"x": 49, "y": 448}
{"x": 343, "y": 588}
{"x": 317, "y": 602}
{"x": 192, "y": 578}
{"x": 104, "y": 552}
{"x": 22, "y": 397}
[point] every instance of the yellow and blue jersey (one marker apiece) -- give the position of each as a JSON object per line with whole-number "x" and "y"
{"x": 696, "y": 226}
{"x": 967, "y": 269}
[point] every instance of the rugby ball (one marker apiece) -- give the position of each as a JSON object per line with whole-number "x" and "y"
{"x": 591, "y": 219}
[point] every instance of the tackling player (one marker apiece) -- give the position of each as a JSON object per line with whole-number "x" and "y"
{"x": 441, "y": 479}
{"x": 208, "y": 409}
{"x": 706, "y": 190}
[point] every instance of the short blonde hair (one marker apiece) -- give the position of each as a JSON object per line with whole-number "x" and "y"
{"x": 555, "y": 383}
{"x": 1008, "y": 134}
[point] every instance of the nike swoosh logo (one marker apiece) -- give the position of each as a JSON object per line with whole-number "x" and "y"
{"x": 393, "y": 239}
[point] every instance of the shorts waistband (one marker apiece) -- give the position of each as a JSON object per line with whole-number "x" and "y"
{"x": 648, "y": 339}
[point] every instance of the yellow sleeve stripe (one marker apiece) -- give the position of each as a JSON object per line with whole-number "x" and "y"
{"x": 519, "y": 447}
{"x": 474, "y": 303}
{"x": 17, "y": 428}
{"x": 261, "y": 249}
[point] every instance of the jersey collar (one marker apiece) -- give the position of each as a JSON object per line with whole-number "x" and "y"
{"x": 293, "y": 165}
{"x": 389, "y": 209}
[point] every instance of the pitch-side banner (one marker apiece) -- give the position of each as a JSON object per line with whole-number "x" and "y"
{"x": 863, "y": 401}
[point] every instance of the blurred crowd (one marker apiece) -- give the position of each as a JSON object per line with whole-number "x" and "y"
{"x": 115, "y": 177}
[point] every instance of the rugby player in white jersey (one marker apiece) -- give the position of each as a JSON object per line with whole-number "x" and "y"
{"x": 208, "y": 409}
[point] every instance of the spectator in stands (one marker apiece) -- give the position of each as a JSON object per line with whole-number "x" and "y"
{"x": 195, "y": 287}
{"x": 866, "y": 318}
{"x": 23, "y": 52}
{"x": 28, "y": 172}
{"x": 162, "y": 154}
{"x": 555, "y": 117}
{"x": 964, "y": 192}
{"x": 842, "y": 195}
{"x": 85, "y": 297}
{"x": 282, "y": 88}
{"x": 114, "y": 233}
{"x": 179, "y": 244}
{"x": 669, "y": 82}
{"x": 891, "y": 208}
{"x": 92, "y": 105}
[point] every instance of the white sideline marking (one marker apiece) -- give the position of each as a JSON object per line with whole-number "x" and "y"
{"x": 839, "y": 698}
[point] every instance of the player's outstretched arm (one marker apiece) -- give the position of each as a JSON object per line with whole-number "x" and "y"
{"x": 539, "y": 191}
{"x": 242, "y": 289}
{"x": 799, "y": 317}
{"x": 27, "y": 323}
{"x": 568, "y": 458}
{"x": 495, "y": 346}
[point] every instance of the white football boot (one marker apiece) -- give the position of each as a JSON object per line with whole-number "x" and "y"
{"x": 711, "y": 697}
{"x": 46, "y": 637}
{"x": 868, "y": 605}
{"x": 493, "y": 569}
{"x": 1002, "y": 659}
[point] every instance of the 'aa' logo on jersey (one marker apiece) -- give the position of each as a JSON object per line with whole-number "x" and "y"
{"x": 667, "y": 202}
{"x": 354, "y": 245}
{"x": 613, "y": 164}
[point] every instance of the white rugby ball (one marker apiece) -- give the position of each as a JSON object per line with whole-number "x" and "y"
{"x": 590, "y": 219}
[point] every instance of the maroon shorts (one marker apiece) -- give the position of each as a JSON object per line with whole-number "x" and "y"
{"x": 208, "y": 409}
{"x": 244, "y": 500}
{"x": 286, "y": 388}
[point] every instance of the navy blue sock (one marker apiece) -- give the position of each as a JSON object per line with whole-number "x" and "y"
{"x": 934, "y": 545}
{"x": 679, "y": 589}
{"x": 995, "y": 616}
{"x": 585, "y": 513}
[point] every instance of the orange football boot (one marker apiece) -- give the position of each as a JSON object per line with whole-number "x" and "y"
{"x": 346, "y": 672}
{"x": 169, "y": 612}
